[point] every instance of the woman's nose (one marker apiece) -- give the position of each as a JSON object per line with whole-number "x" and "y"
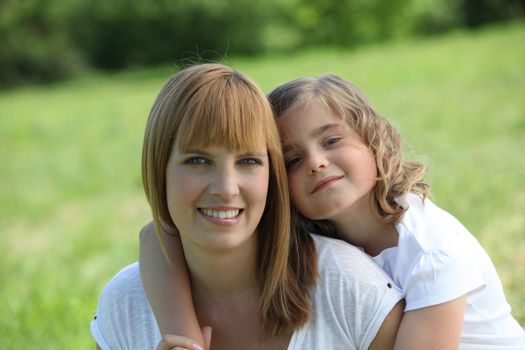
{"x": 225, "y": 183}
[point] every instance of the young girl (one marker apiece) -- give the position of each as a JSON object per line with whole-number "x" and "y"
{"x": 347, "y": 177}
{"x": 345, "y": 167}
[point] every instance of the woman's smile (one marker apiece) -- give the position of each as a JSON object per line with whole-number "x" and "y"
{"x": 222, "y": 216}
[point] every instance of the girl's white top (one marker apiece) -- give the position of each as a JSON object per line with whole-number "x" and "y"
{"x": 438, "y": 260}
{"x": 351, "y": 300}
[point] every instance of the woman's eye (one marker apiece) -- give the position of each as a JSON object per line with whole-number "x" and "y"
{"x": 250, "y": 161}
{"x": 196, "y": 161}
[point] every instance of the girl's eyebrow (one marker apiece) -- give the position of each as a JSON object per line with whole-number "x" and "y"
{"x": 314, "y": 133}
{"x": 322, "y": 129}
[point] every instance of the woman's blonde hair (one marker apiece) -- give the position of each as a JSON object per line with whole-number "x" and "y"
{"x": 396, "y": 175}
{"x": 211, "y": 104}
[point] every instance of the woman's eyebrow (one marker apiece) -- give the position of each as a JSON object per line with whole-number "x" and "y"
{"x": 208, "y": 154}
{"x": 252, "y": 154}
{"x": 196, "y": 151}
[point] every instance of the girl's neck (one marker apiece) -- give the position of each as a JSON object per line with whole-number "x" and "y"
{"x": 361, "y": 227}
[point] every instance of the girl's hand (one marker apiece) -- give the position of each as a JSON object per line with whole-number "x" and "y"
{"x": 178, "y": 342}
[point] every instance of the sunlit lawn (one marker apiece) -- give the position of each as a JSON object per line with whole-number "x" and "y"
{"x": 71, "y": 195}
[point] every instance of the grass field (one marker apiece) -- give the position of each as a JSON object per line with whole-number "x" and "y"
{"x": 71, "y": 195}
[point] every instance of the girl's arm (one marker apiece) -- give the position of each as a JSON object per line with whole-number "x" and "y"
{"x": 167, "y": 285}
{"x": 433, "y": 327}
{"x": 386, "y": 335}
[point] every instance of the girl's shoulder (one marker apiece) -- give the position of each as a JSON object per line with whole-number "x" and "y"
{"x": 436, "y": 259}
{"x": 427, "y": 228}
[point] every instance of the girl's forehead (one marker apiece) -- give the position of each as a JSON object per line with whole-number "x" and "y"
{"x": 310, "y": 112}
{"x": 319, "y": 103}
{"x": 309, "y": 124}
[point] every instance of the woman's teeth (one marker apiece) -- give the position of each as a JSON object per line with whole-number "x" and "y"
{"x": 222, "y": 214}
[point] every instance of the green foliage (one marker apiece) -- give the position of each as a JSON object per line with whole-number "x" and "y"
{"x": 435, "y": 16}
{"x": 72, "y": 200}
{"x": 46, "y": 41}
{"x": 35, "y": 45}
{"x": 120, "y": 33}
{"x": 475, "y": 13}
{"x": 350, "y": 22}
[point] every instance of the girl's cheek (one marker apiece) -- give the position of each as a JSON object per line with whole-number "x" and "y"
{"x": 292, "y": 179}
{"x": 295, "y": 187}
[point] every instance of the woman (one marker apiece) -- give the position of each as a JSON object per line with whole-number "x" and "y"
{"x": 213, "y": 169}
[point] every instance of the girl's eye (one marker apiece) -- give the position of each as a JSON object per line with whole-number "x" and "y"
{"x": 196, "y": 161}
{"x": 331, "y": 141}
{"x": 250, "y": 161}
{"x": 290, "y": 163}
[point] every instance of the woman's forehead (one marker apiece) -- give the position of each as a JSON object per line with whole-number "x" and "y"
{"x": 254, "y": 144}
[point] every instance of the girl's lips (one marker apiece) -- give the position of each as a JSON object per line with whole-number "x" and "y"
{"x": 326, "y": 182}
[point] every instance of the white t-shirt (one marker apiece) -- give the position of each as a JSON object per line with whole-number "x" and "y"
{"x": 351, "y": 300}
{"x": 438, "y": 260}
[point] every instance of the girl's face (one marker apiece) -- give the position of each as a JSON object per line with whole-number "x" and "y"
{"x": 216, "y": 197}
{"x": 331, "y": 172}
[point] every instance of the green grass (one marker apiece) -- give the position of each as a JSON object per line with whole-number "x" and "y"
{"x": 71, "y": 195}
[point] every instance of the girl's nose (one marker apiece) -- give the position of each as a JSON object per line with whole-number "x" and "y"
{"x": 317, "y": 163}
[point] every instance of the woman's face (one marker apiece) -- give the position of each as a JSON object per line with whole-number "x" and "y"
{"x": 216, "y": 197}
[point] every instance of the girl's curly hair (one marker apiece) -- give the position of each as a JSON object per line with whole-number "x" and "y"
{"x": 396, "y": 175}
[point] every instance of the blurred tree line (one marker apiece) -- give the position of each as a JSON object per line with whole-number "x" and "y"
{"x": 49, "y": 40}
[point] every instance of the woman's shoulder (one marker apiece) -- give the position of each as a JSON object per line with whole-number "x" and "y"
{"x": 122, "y": 303}
{"x": 351, "y": 299}
{"x": 126, "y": 283}
{"x": 128, "y": 274}
{"x": 124, "y": 291}
{"x": 341, "y": 260}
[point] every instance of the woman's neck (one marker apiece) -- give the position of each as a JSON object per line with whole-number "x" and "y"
{"x": 219, "y": 274}
{"x": 226, "y": 296}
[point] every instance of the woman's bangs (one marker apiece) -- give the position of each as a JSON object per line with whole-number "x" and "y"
{"x": 231, "y": 119}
